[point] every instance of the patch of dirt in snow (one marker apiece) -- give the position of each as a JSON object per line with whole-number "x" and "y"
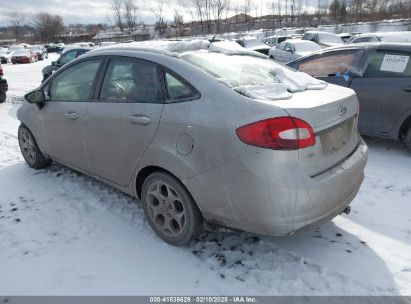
{"x": 267, "y": 268}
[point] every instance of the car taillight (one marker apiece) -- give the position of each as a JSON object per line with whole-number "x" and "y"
{"x": 1, "y": 71}
{"x": 281, "y": 133}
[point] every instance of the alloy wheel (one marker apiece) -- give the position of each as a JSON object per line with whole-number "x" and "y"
{"x": 27, "y": 147}
{"x": 166, "y": 209}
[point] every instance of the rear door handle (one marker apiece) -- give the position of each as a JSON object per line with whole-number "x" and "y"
{"x": 71, "y": 115}
{"x": 406, "y": 89}
{"x": 139, "y": 119}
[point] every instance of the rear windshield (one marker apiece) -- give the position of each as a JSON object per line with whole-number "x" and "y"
{"x": 307, "y": 47}
{"x": 237, "y": 70}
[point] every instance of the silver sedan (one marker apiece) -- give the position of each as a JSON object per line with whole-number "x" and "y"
{"x": 207, "y": 136}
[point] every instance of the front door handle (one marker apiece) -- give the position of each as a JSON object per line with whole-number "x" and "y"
{"x": 71, "y": 115}
{"x": 139, "y": 119}
{"x": 407, "y": 89}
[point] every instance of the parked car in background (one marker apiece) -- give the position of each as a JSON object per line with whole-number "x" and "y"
{"x": 40, "y": 50}
{"x": 292, "y": 49}
{"x": 25, "y": 45}
{"x": 323, "y": 39}
{"x": 3, "y": 85}
{"x": 5, "y": 55}
{"x": 364, "y": 39}
{"x": 23, "y": 56}
{"x": 14, "y": 48}
{"x": 154, "y": 126}
{"x": 276, "y": 39}
{"x": 380, "y": 74}
{"x": 64, "y": 58}
{"x": 52, "y": 48}
{"x": 107, "y": 43}
{"x": 254, "y": 44}
{"x": 345, "y": 36}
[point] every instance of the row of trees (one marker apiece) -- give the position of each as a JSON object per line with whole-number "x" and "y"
{"x": 46, "y": 26}
{"x": 213, "y": 16}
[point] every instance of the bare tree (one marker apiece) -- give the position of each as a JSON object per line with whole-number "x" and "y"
{"x": 130, "y": 14}
{"x": 219, "y": 7}
{"x": 17, "y": 20}
{"x": 158, "y": 12}
{"x": 117, "y": 8}
{"x": 47, "y": 26}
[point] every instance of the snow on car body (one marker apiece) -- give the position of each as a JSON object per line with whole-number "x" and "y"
{"x": 233, "y": 141}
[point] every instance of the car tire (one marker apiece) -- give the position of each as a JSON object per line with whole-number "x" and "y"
{"x": 170, "y": 209}
{"x": 2, "y": 97}
{"x": 407, "y": 138}
{"x": 30, "y": 150}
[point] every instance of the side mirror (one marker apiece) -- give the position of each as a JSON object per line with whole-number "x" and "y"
{"x": 36, "y": 96}
{"x": 54, "y": 63}
{"x": 288, "y": 49}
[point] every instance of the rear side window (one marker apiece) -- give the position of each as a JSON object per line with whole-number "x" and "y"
{"x": 131, "y": 80}
{"x": 178, "y": 89}
{"x": 330, "y": 64}
{"x": 388, "y": 64}
{"x": 76, "y": 82}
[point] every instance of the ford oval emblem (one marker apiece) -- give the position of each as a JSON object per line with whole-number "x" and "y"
{"x": 342, "y": 111}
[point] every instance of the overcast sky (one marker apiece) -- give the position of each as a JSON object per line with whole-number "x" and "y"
{"x": 98, "y": 11}
{"x": 76, "y": 11}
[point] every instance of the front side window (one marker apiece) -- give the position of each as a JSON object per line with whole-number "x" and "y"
{"x": 129, "y": 80}
{"x": 280, "y": 46}
{"x": 388, "y": 64}
{"x": 75, "y": 83}
{"x": 331, "y": 64}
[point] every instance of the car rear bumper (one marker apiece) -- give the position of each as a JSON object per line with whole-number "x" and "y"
{"x": 277, "y": 203}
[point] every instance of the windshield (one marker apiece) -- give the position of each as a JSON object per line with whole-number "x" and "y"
{"x": 307, "y": 47}
{"x": 236, "y": 70}
{"x": 22, "y": 52}
{"x": 330, "y": 38}
{"x": 35, "y": 48}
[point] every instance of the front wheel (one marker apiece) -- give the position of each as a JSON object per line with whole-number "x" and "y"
{"x": 170, "y": 210}
{"x": 407, "y": 138}
{"x": 30, "y": 150}
{"x": 2, "y": 97}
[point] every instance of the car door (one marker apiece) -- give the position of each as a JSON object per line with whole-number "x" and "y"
{"x": 62, "y": 114}
{"x": 384, "y": 90}
{"x": 123, "y": 121}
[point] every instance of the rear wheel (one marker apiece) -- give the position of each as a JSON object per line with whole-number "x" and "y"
{"x": 170, "y": 210}
{"x": 30, "y": 150}
{"x": 407, "y": 138}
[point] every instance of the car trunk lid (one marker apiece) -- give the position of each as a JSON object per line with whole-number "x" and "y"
{"x": 332, "y": 113}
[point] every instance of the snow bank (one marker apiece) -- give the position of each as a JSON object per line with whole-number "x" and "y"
{"x": 297, "y": 81}
{"x": 275, "y": 91}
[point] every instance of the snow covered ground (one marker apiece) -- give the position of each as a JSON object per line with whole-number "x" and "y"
{"x": 62, "y": 233}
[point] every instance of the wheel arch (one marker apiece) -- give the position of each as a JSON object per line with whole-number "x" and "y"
{"x": 405, "y": 124}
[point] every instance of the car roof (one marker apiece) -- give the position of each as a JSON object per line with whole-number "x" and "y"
{"x": 176, "y": 48}
{"x": 394, "y": 46}
{"x": 361, "y": 46}
{"x": 298, "y": 41}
